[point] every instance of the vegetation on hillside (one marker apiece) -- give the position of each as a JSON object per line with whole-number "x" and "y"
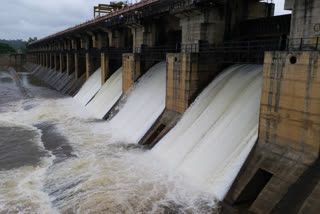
{"x": 18, "y": 44}
{"x": 11, "y": 46}
{"x": 5, "y": 49}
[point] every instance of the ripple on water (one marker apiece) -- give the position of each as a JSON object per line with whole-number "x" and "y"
{"x": 55, "y": 142}
{"x": 19, "y": 147}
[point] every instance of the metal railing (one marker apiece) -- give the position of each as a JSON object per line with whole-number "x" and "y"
{"x": 227, "y": 52}
{"x": 251, "y": 51}
{"x": 158, "y": 53}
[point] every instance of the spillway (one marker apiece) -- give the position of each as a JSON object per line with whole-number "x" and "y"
{"x": 141, "y": 107}
{"x": 107, "y": 96}
{"x": 212, "y": 140}
{"x": 89, "y": 89}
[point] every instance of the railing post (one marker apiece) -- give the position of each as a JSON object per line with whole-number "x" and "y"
{"x": 317, "y": 43}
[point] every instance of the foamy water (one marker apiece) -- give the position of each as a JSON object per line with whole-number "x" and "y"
{"x": 141, "y": 107}
{"x": 101, "y": 176}
{"x": 89, "y": 89}
{"x": 107, "y": 96}
{"x": 216, "y": 134}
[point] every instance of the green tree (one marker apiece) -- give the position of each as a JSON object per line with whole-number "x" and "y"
{"x": 31, "y": 40}
{"x": 5, "y": 49}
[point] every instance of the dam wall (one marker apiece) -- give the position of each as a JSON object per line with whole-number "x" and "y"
{"x": 198, "y": 39}
{"x": 289, "y": 133}
{"x": 4, "y": 59}
{"x": 281, "y": 174}
{"x": 12, "y": 59}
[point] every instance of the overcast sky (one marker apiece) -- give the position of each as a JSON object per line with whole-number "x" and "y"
{"x": 21, "y": 19}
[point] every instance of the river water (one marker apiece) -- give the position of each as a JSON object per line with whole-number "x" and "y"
{"x": 56, "y": 158}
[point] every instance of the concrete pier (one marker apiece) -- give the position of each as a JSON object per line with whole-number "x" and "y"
{"x": 289, "y": 131}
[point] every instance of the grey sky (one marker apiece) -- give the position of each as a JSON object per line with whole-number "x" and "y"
{"x": 21, "y": 19}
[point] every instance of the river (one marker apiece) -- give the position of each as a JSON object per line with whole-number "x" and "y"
{"x": 56, "y": 157}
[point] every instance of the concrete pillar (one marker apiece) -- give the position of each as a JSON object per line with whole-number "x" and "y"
{"x": 56, "y": 62}
{"x": 51, "y": 61}
{"x": 116, "y": 38}
{"x": 61, "y": 62}
{"x": 100, "y": 41}
{"x": 143, "y": 35}
{"x": 258, "y": 9}
{"x": 74, "y": 44}
{"x": 76, "y": 66}
{"x": 47, "y": 60}
{"x": 138, "y": 37}
{"x": 105, "y": 70}
{"x": 85, "y": 42}
{"x": 92, "y": 62}
{"x": 88, "y": 66}
{"x": 131, "y": 70}
{"x": 305, "y": 24}
{"x": 288, "y": 4}
{"x": 290, "y": 111}
{"x": 187, "y": 75}
{"x": 208, "y": 26}
{"x": 70, "y": 63}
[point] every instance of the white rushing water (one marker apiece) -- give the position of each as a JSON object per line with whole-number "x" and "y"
{"x": 101, "y": 175}
{"x": 204, "y": 151}
{"x": 107, "y": 96}
{"x": 89, "y": 89}
{"x": 215, "y": 135}
{"x": 141, "y": 107}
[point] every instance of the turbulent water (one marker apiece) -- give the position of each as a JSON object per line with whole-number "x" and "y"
{"x": 56, "y": 158}
{"x": 107, "y": 96}
{"x": 90, "y": 88}
{"x": 216, "y": 134}
{"x": 141, "y": 107}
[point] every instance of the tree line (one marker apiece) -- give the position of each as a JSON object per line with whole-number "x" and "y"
{"x": 13, "y": 46}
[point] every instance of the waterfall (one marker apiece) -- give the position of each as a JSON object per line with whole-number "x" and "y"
{"x": 214, "y": 137}
{"x": 107, "y": 96}
{"x": 141, "y": 107}
{"x": 90, "y": 88}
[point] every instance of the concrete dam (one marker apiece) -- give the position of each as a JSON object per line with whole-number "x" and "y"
{"x": 167, "y": 106}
